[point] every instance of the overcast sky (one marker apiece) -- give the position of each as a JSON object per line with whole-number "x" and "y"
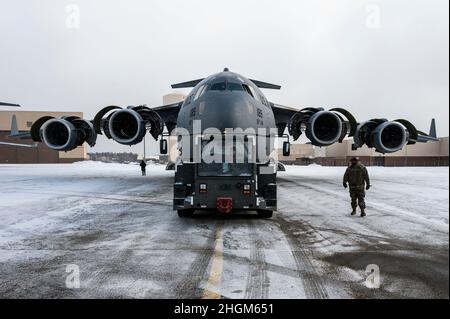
{"x": 377, "y": 58}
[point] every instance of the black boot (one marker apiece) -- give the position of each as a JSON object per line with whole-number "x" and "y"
{"x": 354, "y": 212}
{"x": 363, "y": 212}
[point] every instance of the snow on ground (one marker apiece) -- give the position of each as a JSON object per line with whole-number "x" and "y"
{"x": 119, "y": 228}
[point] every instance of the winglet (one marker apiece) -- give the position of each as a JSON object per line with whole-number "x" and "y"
{"x": 433, "y": 132}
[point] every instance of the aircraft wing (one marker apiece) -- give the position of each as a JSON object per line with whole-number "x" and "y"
{"x": 128, "y": 126}
{"x": 133, "y": 122}
{"x": 78, "y": 131}
{"x": 169, "y": 114}
{"x": 283, "y": 115}
{"x": 9, "y": 104}
{"x": 265, "y": 85}
{"x": 19, "y": 145}
{"x": 320, "y": 127}
{"x": 188, "y": 84}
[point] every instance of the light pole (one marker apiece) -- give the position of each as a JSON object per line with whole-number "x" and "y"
{"x": 145, "y": 146}
{"x": 144, "y": 150}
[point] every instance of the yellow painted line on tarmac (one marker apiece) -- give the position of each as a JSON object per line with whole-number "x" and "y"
{"x": 212, "y": 290}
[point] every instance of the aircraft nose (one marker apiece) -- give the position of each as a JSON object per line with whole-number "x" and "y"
{"x": 223, "y": 112}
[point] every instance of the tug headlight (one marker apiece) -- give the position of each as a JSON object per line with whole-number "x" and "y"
{"x": 203, "y": 188}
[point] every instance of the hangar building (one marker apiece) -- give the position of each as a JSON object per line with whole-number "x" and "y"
{"x": 420, "y": 154}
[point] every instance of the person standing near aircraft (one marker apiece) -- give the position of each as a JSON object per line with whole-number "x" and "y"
{"x": 143, "y": 167}
{"x": 357, "y": 177}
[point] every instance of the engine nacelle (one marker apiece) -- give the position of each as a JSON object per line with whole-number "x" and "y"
{"x": 126, "y": 127}
{"x": 383, "y": 135}
{"x": 67, "y": 133}
{"x": 324, "y": 128}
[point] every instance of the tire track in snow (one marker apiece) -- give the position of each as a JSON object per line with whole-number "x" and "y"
{"x": 257, "y": 279}
{"x": 189, "y": 285}
{"x": 312, "y": 282}
{"x": 112, "y": 197}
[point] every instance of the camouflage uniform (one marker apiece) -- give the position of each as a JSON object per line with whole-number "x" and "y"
{"x": 358, "y": 179}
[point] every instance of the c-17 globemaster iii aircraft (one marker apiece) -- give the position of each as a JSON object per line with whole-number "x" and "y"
{"x": 239, "y": 122}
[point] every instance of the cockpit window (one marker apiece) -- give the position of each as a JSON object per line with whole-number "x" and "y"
{"x": 220, "y": 86}
{"x": 235, "y": 86}
{"x": 230, "y": 86}
{"x": 199, "y": 92}
{"x": 247, "y": 89}
{"x": 252, "y": 92}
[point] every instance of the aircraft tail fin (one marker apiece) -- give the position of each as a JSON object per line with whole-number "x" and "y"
{"x": 14, "y": 127}
{"x": 432, "y": 136}
{"x": 433, "y": 132}
{"x": 15, "y": 130}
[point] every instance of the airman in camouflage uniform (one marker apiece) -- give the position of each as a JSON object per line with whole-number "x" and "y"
{"x": 358, "y": 179}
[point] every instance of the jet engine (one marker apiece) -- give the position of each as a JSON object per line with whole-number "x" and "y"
{"x": 385, "y": 136}
{"x": 64, "y": 134}
{"x": 128, "y": 126}
{"x": 322, "y": 127}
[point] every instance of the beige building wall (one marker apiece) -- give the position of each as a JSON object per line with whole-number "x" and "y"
{"x": 336, "y": 150}
{"x": 338, "y": 154}
{"x": 26, "y": 118}
{"x": 443, "y": 149}
{"x": 343, "y": 149}
{"x": 419, "y": 149}
{"x": 297, "y": 151}
{"x": 79, "y": 152}
{"x": 172, "y": 98}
